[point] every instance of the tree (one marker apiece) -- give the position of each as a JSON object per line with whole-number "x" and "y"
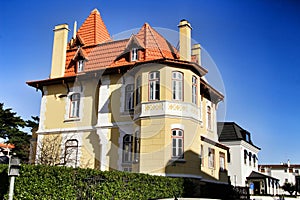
{"x": 289, "y": 187}
{"x": 11, "y": 131}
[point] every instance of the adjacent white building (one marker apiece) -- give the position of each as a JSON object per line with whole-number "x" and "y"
{"x": 243, "y": 160}
{"x": 242, "y": 155}
{"x": 285, "y": 172}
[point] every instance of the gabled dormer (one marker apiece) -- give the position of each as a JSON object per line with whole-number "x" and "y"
{"x": 134, "y": 49}
{"x": 79, "y": 60}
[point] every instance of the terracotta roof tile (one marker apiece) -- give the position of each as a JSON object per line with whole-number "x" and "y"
{"x": 93, "y": 31}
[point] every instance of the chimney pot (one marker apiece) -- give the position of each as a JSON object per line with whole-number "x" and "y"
{"x": 185, "y": 40}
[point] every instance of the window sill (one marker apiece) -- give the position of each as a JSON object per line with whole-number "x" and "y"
{"x": 178, "y": 160}
{"x": 72, "y": 120}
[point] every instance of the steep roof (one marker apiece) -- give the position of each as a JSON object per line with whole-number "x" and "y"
{"x": 93, "y": 31}
{"x": 230, "y": 131}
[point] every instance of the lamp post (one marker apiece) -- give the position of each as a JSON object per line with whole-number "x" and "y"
{"x": 13, "y": 171}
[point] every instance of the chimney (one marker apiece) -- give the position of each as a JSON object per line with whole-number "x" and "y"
{"x": 59, "y": 50}
{"x": 185, "y": 40}
{"x": 196, "y": 51}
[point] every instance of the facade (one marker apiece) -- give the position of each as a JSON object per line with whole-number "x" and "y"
{"x": 136, "y": 104}
{"x": 243, "y": 154}
{"x": 243, "y": 160}
{"x": 285, "y": 172}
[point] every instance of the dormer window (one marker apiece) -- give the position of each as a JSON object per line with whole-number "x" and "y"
{"x": 134, "y": 54}
{"x": 80, "y": 65}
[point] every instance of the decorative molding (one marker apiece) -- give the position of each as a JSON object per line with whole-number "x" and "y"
{"x": 162, "y": 108}
{"x": 65, "y": 130}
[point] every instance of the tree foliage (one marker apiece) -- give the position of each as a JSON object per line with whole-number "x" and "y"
{"x": 12, "y": 131}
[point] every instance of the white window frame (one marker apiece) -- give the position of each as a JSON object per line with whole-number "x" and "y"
{"x": 194, "y": 89}
{"x": 177, "y": 143}
{"x": 71, "y": 153}
{"x": 80, "y": 65}
{"x": 211, "y": 157}
{"x": 127, "y": 149}
{"x": 209, "y": 117}
{"x": 138, "y": 90}
{"x": 129, "y": 97}
{"x": 134, "y": 54}
{"x": 154, "y": 86}
{"x": 222, "y": 161}
{"x": 177, "y": 85}
{"x": 74, "y": 106}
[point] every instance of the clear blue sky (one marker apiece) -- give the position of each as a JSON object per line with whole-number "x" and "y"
{"x": 255, "y": 45}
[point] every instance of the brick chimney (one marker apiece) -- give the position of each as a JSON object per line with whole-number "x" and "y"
{"x": 59, "y": 50}
{"x": 185, "y": 40}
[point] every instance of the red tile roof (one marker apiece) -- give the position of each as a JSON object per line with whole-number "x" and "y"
{"x": 93, "y": 42}
{"x": 10, "y": 146}
{"x": 93, "y": 31}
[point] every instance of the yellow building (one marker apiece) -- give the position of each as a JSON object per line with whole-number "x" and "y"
{"x": 136, "y": 104}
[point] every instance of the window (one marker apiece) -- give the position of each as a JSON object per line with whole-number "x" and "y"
{"x": 154, "y": 92}
{"x": 194, "y": 90}
{"x": 136, "y": 146}
{"x": 245, "y": 156}
{"x": 127, "y": 148}
{"x": 129, "y": 97}
{"x": 80, "y": 65}
{"x": 201, "y": 155}
{"x": 254, "y": 160}
{"x": 250, "y": 156}
{"x": 127, "y": 169}
{"x": 134, "y": 54}
{"x": 211, "y": 158}
{"x": 285, "y": 170}
{"x": 222, "y": 161}
{"x": 228, "y": 157}
{"x": 74, "y": 105}
{"x": 177, "y": 143}
{"x": 71, "y": 153}
{"x": 177, "y": 85}
{"x": 138, "y": 90}
{"x": 209, "y": 118}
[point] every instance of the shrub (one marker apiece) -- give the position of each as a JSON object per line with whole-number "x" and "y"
{"x": 51, "y": 182}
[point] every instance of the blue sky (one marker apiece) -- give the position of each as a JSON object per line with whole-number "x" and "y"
{"x": 254, "y": 44}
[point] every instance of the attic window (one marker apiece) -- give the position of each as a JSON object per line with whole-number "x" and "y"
{"x": 80, "y": 65}
{"x": 134, "y": 54}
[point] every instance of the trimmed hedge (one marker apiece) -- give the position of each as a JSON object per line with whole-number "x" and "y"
{"x": 47, "y": 182}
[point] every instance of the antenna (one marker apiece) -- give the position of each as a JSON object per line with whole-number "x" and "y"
{"x": 75, "y": 29}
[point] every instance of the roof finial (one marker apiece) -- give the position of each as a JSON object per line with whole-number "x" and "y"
{"x": 75, "y": 29}
{"x": 95, "y": 10}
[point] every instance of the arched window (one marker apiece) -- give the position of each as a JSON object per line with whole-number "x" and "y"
{"x": 254, "y": 160}
{"x": 127, "y": 148}
{"x": 177, "y": 143}
{"x": 177, "y": 85}
{"x": 136, "y": 146}
{"x": 245, "y": 156}
{"x": 129, "y": 97}
{"x": 154, "y": 86}
{"x": 194, "y": 89}
{"x": 74, "y": 105}
{"x": 71, "y": 153}
{"x": 209, "y": 118}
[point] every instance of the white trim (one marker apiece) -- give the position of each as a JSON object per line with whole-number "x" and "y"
{"x": 104, "y": 142}
{"x": 177, "y": 126}
{"x": 171, "y": 108}
{"x": 104, "y": 100}
{"x": 78, "y": 137}
{"x": 74, "y": 90}
{"x": 59, "y": 130}
{"x": 43, "y": 109}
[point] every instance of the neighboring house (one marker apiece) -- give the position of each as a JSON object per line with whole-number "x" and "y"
{"x": 135, "y": 104}
{"x": 285, "y": 172}
{"x": 5, "y": 152}
{"x": 243, "y": 159}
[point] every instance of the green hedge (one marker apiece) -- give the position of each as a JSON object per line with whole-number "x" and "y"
{"x": 45, "y": 182}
